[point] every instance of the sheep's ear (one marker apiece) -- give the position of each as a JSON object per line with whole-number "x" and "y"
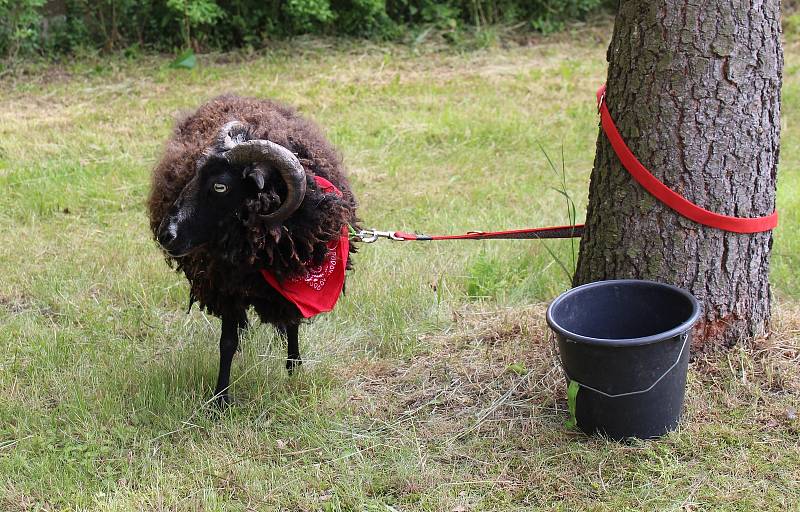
{"x": 257, "y": 175}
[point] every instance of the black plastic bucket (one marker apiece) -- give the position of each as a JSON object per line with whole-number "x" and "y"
{"x": 626, "y": 343}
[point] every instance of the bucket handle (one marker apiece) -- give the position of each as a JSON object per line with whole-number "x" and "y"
{"x": 620, "y": 395}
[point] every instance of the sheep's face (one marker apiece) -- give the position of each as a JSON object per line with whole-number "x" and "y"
{"x": 215, "y": 194}
{"x": 235, "y": 169}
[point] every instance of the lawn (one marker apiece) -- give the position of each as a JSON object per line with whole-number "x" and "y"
{"x": 433, "y": 386}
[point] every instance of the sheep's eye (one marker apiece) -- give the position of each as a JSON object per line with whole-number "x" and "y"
{"x": 220, "y": 188}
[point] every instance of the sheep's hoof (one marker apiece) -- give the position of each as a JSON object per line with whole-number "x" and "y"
{"x": 291, "y": 364}
{"x": 222, "y": 400}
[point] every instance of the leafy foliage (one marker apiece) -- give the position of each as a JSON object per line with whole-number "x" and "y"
{"x": 51, "y": 27}
{"x": 308, "y": 15}
{"x": 194, "y": 13}
{"x": 20, "y": 26}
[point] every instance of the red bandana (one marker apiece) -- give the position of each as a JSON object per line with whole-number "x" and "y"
{"x": 319, "y": 288}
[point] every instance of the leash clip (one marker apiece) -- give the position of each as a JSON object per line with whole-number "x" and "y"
{"x": 369, "y": 236}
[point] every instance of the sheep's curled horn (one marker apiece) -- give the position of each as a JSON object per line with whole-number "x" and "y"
{"x": 258, "y": 151}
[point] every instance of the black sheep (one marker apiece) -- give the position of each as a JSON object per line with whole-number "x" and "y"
{"x": 250, "y": 193}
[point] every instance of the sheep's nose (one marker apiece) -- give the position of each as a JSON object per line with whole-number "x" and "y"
{"x": 167, "y": 234}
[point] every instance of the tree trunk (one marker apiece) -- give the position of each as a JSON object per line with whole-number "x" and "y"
{"x": 694, "y": 88}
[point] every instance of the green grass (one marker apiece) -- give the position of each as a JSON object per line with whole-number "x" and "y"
{"x": 432, "y": 386}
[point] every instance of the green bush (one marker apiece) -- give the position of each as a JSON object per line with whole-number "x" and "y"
{"x": 490, "y": 12}
{"x": 30, "y": 26}
{"x": 366, "y": 18}
{"x": 308, "y": 15}
{"x": 194, "y": 14}
{"x": 20, "y": 26}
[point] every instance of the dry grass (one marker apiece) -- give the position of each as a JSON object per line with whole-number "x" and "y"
{"x": 488, "y": 397}
{"x": 488, "y": 367}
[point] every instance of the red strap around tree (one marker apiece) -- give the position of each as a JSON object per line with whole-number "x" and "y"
{"x": 668, "y": 196}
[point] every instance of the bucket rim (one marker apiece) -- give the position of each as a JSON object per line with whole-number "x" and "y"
{"x": 624, "y": 342}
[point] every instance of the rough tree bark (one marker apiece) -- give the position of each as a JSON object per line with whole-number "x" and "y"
{"x": 694, "y": 88}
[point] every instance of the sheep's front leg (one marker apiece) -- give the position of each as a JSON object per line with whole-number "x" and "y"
{"x": 292, "y": 335}
{"x": 228, "y": 343}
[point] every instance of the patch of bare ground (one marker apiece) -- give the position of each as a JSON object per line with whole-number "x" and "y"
{"x": 15, "y": 304}
{"x": 18, "y": 303}
{"x": 13, "y": 500}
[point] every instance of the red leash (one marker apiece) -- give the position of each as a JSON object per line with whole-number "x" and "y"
{"x": 639, "y": 172}
{"x": 371, "y": 235}
{"x": 668, "y": 196}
